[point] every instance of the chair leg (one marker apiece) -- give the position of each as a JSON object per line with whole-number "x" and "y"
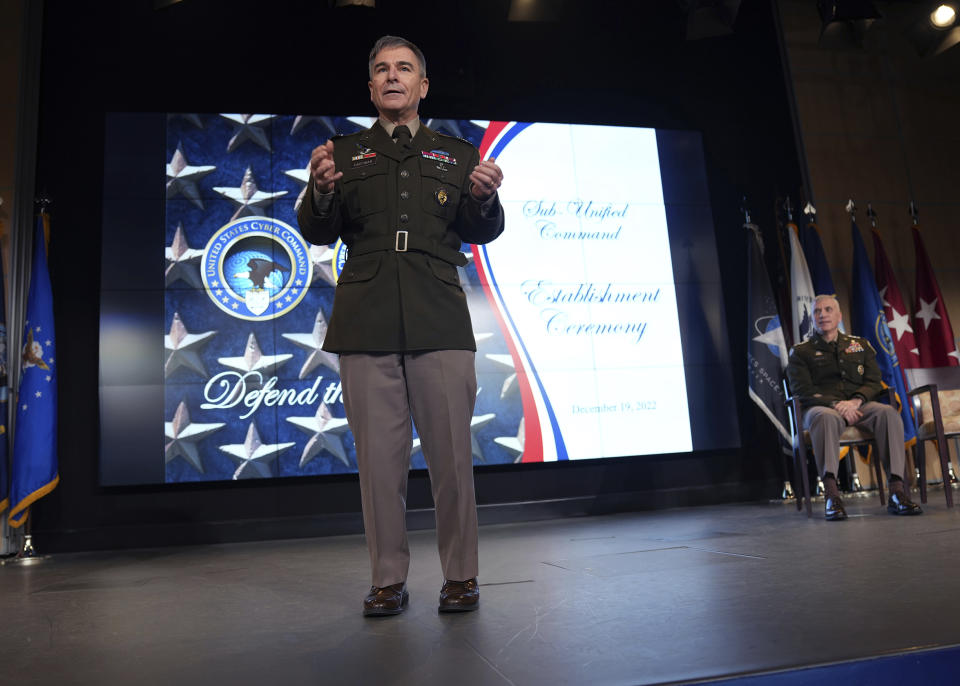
{"x": 878, "y": 471}
{"x": 801, "y": 453}
{"x": 921, "y": 461}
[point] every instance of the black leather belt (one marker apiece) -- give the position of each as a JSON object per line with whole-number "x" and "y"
{"x": 404, "y": 241}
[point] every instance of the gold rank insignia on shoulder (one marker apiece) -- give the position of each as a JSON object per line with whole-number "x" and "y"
{"x": 442, "y": 197}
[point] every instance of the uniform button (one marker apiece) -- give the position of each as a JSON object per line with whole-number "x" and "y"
{"x": 404, "y": 173}
{"x": 404, "y": 218}
{"x": 404, "y": 195}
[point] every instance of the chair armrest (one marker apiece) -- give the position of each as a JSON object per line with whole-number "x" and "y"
{"x": 926, "y": 388}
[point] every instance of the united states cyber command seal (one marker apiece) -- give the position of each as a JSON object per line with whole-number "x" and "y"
{"x": 256, "y": 268}
{"x": 339, "y": 259}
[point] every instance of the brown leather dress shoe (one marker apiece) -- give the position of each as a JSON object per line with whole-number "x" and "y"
{"x": 386, "y": 600}
{"x": 459, "y": 596}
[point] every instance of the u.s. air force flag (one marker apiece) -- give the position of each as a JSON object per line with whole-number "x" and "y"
{"x": 870, "y": 321}
{"x": 766, "y": 347}
{"x": 34, "y": 469}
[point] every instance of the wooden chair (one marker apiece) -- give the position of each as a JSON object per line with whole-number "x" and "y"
{"x": 852, "y": 437}
{"x": 936, "y": 406}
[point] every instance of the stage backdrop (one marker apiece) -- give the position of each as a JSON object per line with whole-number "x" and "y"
{"x": 598, "y": 313}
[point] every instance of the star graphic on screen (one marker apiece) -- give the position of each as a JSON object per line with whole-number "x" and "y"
{"x": 184, "y": 348}
{"x": 301, "y": 176}
{"x": 183, "y": 435}
{"x": 249, "y": 127}
{"x": 253, "y": 359}
{"x": 253, "y": 458}
{"x": 248, "y": 198}
{"x": 928, "y": 312}
{"x": 311, "y": 342}
{"x": 480, "y": 337}
{"x": 303, "y": 119}
{"x": 510, "y": 383}
{"x": 322, "y": 258}
{"x": 513, "y": 444}
{"x": 449, "y": 125}
{"x": 192, "y": 118}
{"x": 183, "y": 262}
{"x": 362, "y": 122}
{"x": 182, "y": 177}
{"x": 326, "y": 433}
{"x": 899, "y": 323}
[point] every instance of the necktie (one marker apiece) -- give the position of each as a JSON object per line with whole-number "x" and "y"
{"x": 402, "y": 134}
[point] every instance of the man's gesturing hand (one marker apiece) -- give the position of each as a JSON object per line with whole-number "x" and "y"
{"x": 322, "y": 169}
{"x": 486, "y": 178}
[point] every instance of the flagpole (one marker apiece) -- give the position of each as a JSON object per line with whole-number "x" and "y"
{"x": 28, "y": 554}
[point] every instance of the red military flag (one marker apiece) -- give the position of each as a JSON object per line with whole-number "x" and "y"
{"x": 933, "y": 333}
{"x": 894, "y": 308}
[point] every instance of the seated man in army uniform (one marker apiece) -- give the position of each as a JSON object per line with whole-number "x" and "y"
{"x": 836, "y": 377}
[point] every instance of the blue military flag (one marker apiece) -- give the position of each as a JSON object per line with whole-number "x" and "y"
{"x": 817, "y": 262}
{"x": 4, "y": 447}
{"x": 766, "y": 346}
{"x": 870, "y": 321}
{"x": 34, "y": 472}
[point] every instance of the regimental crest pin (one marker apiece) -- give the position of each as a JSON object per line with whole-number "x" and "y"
{"x": 441, "y": 197}
{"x": 860, "y": 369}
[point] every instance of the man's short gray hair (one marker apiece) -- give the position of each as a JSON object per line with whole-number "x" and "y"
{"x": 396, "y": 42}
{"x": 826, "y": 296}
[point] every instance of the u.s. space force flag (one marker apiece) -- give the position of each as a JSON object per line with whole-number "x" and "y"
{"x": 801, "y": 289}
{"x": 766, "y": 347}
{"x": 870, "y": 322}
{"x": 34, "y": 470}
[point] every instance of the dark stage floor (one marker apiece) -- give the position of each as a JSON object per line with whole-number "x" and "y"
{"x": 641, "y": 598}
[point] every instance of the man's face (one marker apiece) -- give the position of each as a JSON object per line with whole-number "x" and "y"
{"x": 396, "y": 87}
{"x": 826, "y": 315}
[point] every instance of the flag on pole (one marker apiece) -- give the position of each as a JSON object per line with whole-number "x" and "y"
{"x": 801, "y": 289}
{"x": 933, "y": 333}
{"x": 894, "y": 307}
{"x": 34, "y": 470}
{"x": 766, "y": 347}
{"x": 4, "y": 446}
{"x": 870, "y": 322}
{"x": 817, "y": 262}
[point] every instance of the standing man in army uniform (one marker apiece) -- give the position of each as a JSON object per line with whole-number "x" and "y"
{"x": 403, "y": 198}
{"x": 836, "y": 377}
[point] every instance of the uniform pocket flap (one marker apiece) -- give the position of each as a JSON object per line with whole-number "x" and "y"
{"x": 361, "y": 268}
{"x": 444, "y": 271}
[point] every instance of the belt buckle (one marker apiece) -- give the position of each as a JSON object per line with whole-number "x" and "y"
{"x": 399, "y": 242}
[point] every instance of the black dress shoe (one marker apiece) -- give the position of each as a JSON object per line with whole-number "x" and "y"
{"x": 386, "y": 600}
{"x": 459, "y": 596}
{"x": 900, "y": 504}
{"x": 833, "y": 510}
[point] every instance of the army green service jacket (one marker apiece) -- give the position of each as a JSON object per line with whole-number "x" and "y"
{"x": 822, "y": 373}
{"x": 403, "y": 217}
